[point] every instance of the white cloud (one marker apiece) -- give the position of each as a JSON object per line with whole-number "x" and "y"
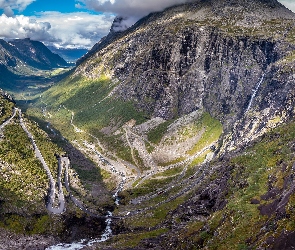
{"x": 140, "y": 8}
{"x": 78, "y": 29}
{"x": 135, "y": 8}
{"x": 23, "y": 27}
{"x": 130, "y": 10}
{"x": 9, "y": 5}
{"x": 290, "y": 4}
{"x": 70, "y": 30}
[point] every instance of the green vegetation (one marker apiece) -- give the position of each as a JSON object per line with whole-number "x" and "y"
{"x": 132, "y": 240}
{"x": 213, "y": 130}
{"x": 164, "y": 164}
{"x": 92, "y": 175}
{"x": 35, "y": 224}
{"x": 24, "y": 183}
{"x": 5, "y": 109}
{"x": 149, "y": 186}
{"x": 170, "y": 172}
{"x": 289, "y": 58}
{"x": 152, "y": 218}
{"x": 85, "y": 104}
{"x": 21, "y": 162}
{"x": 90, "y": 104}
{"x": 267, "y": 164}
{"x": 47, "y": 148}
{"x": 156, "y": 134}
{"x": 250, "y": 179}
{"x": 115, "y": 144}
{"x": 200, "y": 159}
{"x": 291, "y": 34}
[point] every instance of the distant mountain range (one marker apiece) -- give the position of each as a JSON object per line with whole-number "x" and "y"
{"x": 70, "y": 55}
{"x": 27, "y": 53}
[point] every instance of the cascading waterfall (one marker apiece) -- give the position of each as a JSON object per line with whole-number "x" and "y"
{"x": 254, "y": 93}
{"x": 107, "y": 233}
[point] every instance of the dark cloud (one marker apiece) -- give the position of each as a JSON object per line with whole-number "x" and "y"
{"x": 129, "y": 10}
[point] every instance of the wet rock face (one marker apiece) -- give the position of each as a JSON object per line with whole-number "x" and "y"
{"x": 201, "y": 69}
{"x": 176, "y": 62}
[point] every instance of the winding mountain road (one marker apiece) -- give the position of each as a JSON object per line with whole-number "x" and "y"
{"x": 9, "y": 119}
{"x": 56, "y": 207}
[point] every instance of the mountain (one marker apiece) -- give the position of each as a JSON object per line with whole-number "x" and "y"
{"x": 118, "y": 27}
{"x": 24, "y": 57}
{"x": 35, "y": 54}
{"x": 25, "y": 52}
{"x": 189, "y": 114}
{"x": 230, "y": 59}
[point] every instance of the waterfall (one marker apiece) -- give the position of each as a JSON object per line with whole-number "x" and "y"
{"x": 107, "y": 233}
{"x": 254, "y": 93}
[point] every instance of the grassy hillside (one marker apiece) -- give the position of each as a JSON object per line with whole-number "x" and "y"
{"x": 244, "y": 201}
{"x": 78, "y": 106}
{"x": 89, "y": 101}
{"x": 24, "y": 183}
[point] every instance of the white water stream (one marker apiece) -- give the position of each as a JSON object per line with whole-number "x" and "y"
{"x": 107, "y": 233}
{"x": 254, "y": 93}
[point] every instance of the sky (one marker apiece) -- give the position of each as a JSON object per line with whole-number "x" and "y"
{"x": 74, "y": 23}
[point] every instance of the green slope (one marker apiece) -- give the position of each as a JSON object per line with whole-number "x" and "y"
{"x": 24, "y": 183}
{"x": 251, "y": 194}
{"x": 89, "y": 101}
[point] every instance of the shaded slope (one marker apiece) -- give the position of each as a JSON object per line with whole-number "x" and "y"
{"x": 37, "y": 55}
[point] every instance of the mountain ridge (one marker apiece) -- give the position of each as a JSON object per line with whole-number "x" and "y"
{"x": 37, "y": 55}
{"x": 216, "y": 9}
{"x": 231, "y": 32}
{"x": 191, "y": 110}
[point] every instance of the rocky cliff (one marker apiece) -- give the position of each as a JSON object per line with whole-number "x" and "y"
{"x": 207, "y": 55}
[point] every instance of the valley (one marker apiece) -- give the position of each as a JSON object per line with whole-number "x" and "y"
{"x": 177, "y": 133}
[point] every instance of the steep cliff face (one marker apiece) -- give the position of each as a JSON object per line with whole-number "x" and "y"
{"x": 233, "y": 59}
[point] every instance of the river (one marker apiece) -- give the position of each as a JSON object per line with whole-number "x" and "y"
{"x": 107, "y": 233}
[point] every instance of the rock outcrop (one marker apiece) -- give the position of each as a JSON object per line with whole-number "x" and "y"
{"x": 208, "y": 55}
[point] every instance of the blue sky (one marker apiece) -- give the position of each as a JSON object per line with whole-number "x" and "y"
{"x": 74, "y": 23}
{"x": 50, "y": 5}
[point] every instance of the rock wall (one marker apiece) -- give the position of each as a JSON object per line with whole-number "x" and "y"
{"x": 173, "y": 63}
